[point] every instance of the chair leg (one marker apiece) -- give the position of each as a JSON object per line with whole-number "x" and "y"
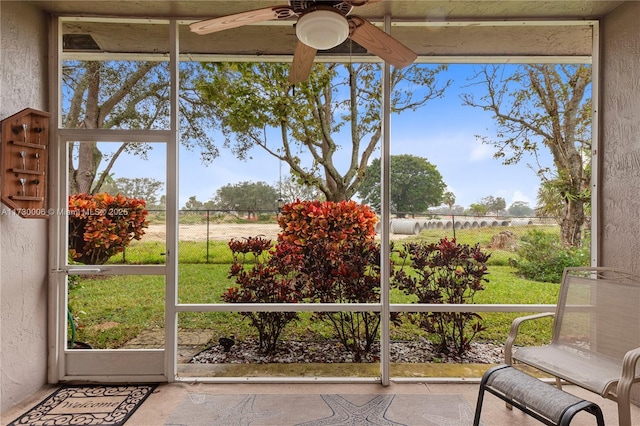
{"x": 476, "y": 419}
{"x": 558, "y": 383}
{"x": 624, "y": 413}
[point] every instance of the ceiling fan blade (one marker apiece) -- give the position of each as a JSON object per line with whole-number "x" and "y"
{"x": 302, "y": 63}
{"x": 239, "y": 19}
{"x": 380, "y": 43}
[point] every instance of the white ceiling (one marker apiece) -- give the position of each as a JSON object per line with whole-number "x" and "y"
{"x": 399, "y": 9}
{"x": 430, "y": 28}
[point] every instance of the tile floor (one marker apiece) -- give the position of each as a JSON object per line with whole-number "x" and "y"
{"x": 161, "y": 404}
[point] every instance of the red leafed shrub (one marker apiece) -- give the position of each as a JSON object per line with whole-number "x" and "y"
{"x": 443, "y": 272}
{"x": 102, "y": 225}
{"x": 325, "y": 253}
{"x": 341, "y": 264}
{"x": 264, "y": 275}
{"x": 306, "y": 223}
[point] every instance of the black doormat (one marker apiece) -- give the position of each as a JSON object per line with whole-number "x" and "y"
{"x": 87, "y": 405}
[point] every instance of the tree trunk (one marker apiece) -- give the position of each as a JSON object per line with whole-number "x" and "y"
{"x": 89, "y": 158}
{"x": 571, "y": 223}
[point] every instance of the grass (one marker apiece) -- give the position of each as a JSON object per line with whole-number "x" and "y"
{"x": 217, "y": 252}
{"x": 506, "y": 288}
{"x": 153, "y": 253}
{"x": 110, "y": 310}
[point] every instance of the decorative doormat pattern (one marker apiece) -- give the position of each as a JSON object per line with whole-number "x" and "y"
{"x": 87, "y": 405}
{"x": 198, "y": 409}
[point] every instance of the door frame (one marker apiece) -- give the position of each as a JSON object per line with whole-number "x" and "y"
{"x": 107, "y": 365}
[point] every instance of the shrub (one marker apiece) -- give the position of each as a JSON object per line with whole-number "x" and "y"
{"x": 443, "y": 272}
{"x": 306, "y": 223}
{"x": 340, "y": 263}
{"x": 541, "y": 257}
{"x": 102, "y": 225}
{"x": 348, "y": 274}
{"x": 268, "y": 280}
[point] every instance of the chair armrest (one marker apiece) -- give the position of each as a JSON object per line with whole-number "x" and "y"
{"x": 628, "y": 375}
{"x": 623, "y": 390}
{"x": 513, "y": 333}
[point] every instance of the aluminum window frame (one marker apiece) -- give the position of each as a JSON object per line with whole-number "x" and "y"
{"x": 170, "y": 269}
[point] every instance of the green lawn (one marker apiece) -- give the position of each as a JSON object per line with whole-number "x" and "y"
{"x": 112, "y": 310}
{"x": 152, "y": 252}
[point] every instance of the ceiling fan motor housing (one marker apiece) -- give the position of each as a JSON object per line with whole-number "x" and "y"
{"x": 322, "y": 28}
{"x": 301, "y": 6}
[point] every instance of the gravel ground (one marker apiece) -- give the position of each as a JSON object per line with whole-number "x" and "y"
{"x": 333, "y": 352}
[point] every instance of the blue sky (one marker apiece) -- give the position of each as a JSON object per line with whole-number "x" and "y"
{"x": 443, "y": 132}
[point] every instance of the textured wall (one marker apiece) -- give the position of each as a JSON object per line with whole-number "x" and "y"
{"x": 620, "y": 139}
{"x": 23, "y": 242}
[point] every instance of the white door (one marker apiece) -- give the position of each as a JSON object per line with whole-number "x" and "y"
{"x": 98, "y": 337}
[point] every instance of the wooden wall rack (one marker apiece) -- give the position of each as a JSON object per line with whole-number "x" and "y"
{"x": 24, "y": 156}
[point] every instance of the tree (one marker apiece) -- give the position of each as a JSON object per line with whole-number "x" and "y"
{"x": 449, "y": 199}
{"x": 544, "y": 106}
{"x": 250, "y": 197}
{"x": 162, "y": 204}
{"x": 415, "y": 184}
{"x": 141, "y": 188}
{"x": 478, "y": 209}
{"x": 125, "y": 95}
{"x": 290, "y": 189}
{"x": 255, "y": 101}
{"x": 193, "y": 204}
{"x": 520, "y": 209}
{"x": 550, "y": 200}
{"x": 494, "y": 204}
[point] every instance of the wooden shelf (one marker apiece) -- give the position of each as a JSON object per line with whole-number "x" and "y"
{"x": 29, "y": 145}
{"x": 25, "y": 137}
{"x": 27, "y": 172}
{"x": 25, "y": 198}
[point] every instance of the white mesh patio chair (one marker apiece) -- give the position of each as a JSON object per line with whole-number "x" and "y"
{"x": 596, "y": 335}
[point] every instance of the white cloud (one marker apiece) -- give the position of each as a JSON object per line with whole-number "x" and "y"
{"x": 480, "y": 152}
{"x": 520, "y": 196}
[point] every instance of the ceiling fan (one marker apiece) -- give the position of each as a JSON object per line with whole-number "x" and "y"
{"x": 321, "y": 25}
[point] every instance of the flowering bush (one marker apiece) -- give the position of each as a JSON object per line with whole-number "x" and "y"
{"x": 444, "y": 272}
{"x": 102, "y": 225}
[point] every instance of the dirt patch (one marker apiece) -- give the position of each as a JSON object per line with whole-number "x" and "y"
{"x": 106, "y": 325}
{"x": 505, "y": 240}
{"x": 221, "y": 232}
{"x": 218, "y": 231}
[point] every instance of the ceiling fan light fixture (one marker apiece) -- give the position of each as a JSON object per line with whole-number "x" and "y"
{"x": 322, "y": 29}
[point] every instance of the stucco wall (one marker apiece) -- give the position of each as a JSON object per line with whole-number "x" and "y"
{"x": 620, "y": 139}
{"x": 23, "y": 251}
